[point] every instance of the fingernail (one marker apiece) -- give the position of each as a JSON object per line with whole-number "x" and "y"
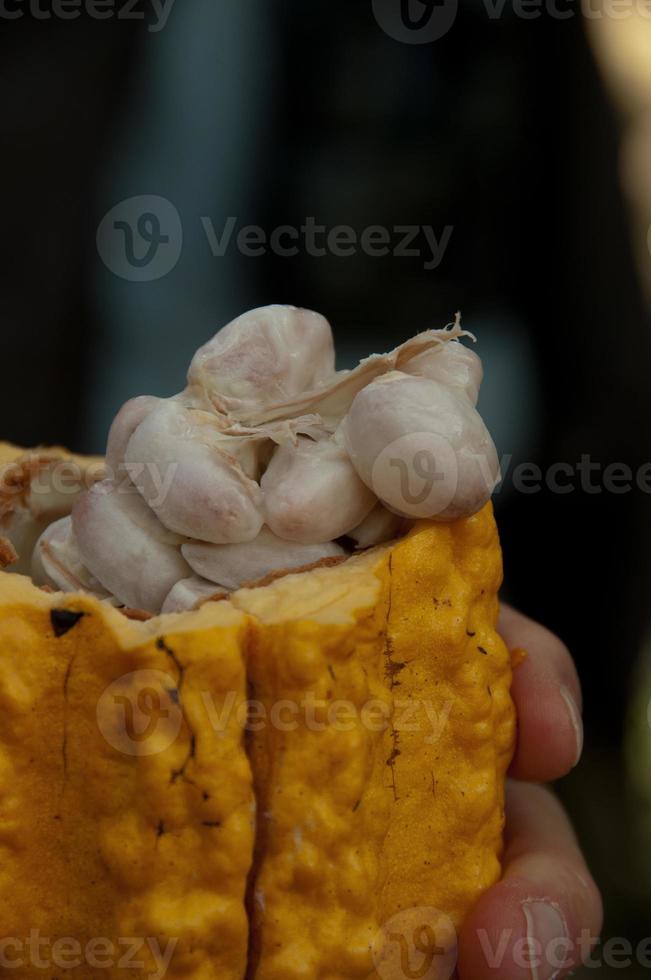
{"x": 545, "y": 927}
{"x": 575, "y": 718}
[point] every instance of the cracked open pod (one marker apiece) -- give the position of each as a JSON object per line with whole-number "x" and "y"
{"x": 302, "y": 778}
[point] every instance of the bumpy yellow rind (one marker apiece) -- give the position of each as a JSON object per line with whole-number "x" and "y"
{"x": 391, "y": 800}
{"x": 379, "y": 733}
{"x": 99, "y": 844}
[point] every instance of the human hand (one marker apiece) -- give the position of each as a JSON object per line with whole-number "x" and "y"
{"x": 546, "y": 893}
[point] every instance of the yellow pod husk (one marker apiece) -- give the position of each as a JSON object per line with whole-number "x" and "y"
{"x": 267, "y": 786}
{"x": 380, "y": 782}
{"x": 125, "y": 819}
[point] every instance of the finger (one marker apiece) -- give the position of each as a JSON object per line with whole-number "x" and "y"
{"x": 542, "y": 919}
{"x": 547, "y": 694}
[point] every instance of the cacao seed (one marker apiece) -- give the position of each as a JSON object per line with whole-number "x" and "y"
{"x": 122, "y": 428}
{"x": 453, "y": 365}
{"x": 263, "y": 357}
{"x": 379, "y": 526}
{"x": 312, "y": 493}
{"x": 125, "y": 546}
{"x": 421, "y": 447}
{"x": 188, "y": 592}
{"x": 231, "y": 565}
{"x": 56, "y": 562}
{"x": 181, "y": 465}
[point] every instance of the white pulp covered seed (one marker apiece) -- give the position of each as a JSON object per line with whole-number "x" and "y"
{"x": 122, "y": 428}
{"x": 379, "y": 526}
{"x": 188, "y": 592}
{"x": 268, "y": 457}
{"x": 453, "y": 365}
{"x": 421, "y": 447}
{"x": 264, "y": 357}
{"x": 230, "y": 565}
{"x": 312, "y": 492}
{"x": 181, "y": 465}
{"x": 56, "y": 562}
{"x": 124, "y": 545}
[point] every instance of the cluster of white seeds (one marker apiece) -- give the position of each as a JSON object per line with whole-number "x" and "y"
{"x": 269, "y": 458}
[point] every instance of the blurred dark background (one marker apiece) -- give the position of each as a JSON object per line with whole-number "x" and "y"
{"x": 272, "y": 113}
